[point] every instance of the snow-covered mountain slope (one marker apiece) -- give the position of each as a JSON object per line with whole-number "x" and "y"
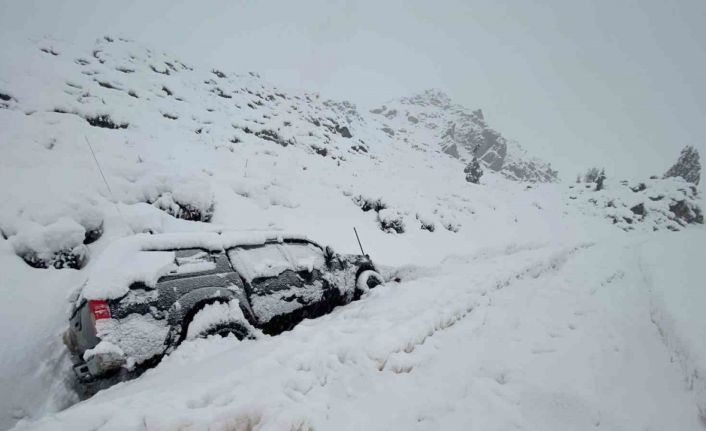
{"x": 521, "y": 304}
{"x": 430, "y": 120}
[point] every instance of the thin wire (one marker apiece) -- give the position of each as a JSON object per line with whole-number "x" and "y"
{"x": 90, "y": 147}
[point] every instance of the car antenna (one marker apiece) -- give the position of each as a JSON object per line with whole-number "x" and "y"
{"x": 358, "y": 238}
{"x": 95, "y": 159}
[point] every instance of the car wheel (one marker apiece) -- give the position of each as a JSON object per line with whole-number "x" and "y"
{"x": 217, "y": 319}
{"x": 367, "y": 280}
{"x": 226, "y": 329}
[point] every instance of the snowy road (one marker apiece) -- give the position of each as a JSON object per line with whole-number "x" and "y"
{"x": 539, "y": 337}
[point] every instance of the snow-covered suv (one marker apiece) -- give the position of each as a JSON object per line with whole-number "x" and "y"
{"x": 148, "y": 293}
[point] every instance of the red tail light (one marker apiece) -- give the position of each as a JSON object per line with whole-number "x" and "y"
{"x": 99, "y": 309}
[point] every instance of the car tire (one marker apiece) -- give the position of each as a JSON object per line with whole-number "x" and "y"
{"x": 225, "y": 329}
{"x": 367, "y": 280}
{"x": 205, "y": 328}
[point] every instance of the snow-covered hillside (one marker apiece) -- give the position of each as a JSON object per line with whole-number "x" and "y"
{"x": 520, "y": 304}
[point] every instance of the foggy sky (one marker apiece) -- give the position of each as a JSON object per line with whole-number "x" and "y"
{"x": 611, "y": 83}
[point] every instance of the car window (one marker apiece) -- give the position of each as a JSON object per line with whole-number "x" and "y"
{"x": 192, "y": 261}
{"x": 304, "y": 256}
{"x": 265, "y": 260}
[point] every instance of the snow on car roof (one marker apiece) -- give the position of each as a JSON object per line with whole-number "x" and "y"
{"x": 145, "y": 258}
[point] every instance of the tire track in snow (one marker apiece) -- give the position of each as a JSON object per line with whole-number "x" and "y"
{"x": 694, "y": 378}
{"x": 537, "y": 269}
{"x": 415, "y": 272}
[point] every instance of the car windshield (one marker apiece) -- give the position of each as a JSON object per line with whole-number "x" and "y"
{"x": 269, "y": 260}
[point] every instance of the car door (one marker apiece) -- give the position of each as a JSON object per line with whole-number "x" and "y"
{"x": 285, "y": 282}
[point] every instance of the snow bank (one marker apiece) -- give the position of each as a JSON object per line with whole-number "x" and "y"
{"x": 59, "y": 244}
{"x": 675, "y": 280}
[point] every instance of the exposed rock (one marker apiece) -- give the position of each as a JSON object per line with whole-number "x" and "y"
{"x": 638, "y": 188}
{"x": 638, "y": 209}
{"x": 460, "y": 131}
{"x": 652, "y": 205}
{"x": 452, "y": 150}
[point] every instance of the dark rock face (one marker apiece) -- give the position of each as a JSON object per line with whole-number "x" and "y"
{"x": 638, "y": 209}
{"x": 687, "y": 166}
{"x": 452, "y": 151}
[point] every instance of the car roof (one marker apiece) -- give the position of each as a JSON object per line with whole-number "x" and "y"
{"x": 212, "y": 240}
{"x": 129, "y": 259}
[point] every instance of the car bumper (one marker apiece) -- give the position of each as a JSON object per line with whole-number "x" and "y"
{"x": 98, "y": 365}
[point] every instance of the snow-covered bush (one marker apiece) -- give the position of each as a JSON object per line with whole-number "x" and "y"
{"x": 184, "y": 209}
{"x": 426, "y": 223}
{"x": 448, "y": 221}
{"x": 367, "y": 203}
{"x": 88, "y": 216}
{"x": 600, "y": 180}
{"x": 591, "y": 175}
{"x": 183, "y": 198}
{"x": 105, "y": 121}
{"x": 59, "y": 244}
{"x": 473, "y": 171}
{"x": 391, "y": 221}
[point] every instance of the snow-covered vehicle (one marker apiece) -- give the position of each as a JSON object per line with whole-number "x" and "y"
{"x": 148, "y": 293}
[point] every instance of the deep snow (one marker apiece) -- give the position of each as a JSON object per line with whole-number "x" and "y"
{"x": 526, "y": 307}
{"x": 537, "y": 337}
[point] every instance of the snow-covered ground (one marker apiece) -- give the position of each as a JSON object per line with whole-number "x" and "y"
{"x": 526, "y": 306}
{"x": 539, "y": 336}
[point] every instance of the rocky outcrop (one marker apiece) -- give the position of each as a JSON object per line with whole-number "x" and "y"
{"x": 462, "y": 134}
{"x": 652, "y": 205}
